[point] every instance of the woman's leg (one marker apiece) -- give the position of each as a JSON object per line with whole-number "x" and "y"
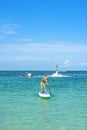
{"x": 44, "y": 87}
{"x": 41, "y": 86}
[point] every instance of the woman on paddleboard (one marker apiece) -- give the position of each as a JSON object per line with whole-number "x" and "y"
{"x": 42, "y": 83}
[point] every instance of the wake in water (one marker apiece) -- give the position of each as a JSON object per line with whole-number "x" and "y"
{"x": 53, "y": 76}
{"x": 57, "y": 74}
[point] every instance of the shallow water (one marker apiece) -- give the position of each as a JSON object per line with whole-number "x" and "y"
{"x": 22, "y": 109}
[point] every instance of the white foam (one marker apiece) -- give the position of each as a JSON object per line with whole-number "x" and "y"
{"x": 57, "y": 75}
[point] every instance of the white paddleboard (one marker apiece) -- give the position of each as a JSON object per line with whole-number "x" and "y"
{"x": 44, "y": 95}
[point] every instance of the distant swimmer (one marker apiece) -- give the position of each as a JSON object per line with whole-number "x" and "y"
{"x": 42, "y": 83}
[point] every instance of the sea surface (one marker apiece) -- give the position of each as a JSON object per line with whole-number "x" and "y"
{"x": 21, "y": 108}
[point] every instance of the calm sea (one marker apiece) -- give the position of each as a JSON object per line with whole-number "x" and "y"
{"x": 22, "y": 109}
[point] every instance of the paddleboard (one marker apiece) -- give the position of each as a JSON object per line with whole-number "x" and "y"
{"x": 44, "y": 95}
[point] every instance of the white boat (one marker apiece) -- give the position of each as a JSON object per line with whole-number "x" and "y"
{"x": 28, "y": 74}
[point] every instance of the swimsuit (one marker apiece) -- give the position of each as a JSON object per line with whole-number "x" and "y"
{"x": 43, "y": 81}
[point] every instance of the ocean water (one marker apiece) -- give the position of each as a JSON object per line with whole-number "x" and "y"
{"x": 21, "y": 108}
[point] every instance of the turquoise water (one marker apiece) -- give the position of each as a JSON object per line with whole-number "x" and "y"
{"x": 22, "y": 109}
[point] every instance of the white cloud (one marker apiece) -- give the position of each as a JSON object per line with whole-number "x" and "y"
{"x": 66, "y": 55}
{"x": 67, "y": 62}
{"x": 9, "y": 28}
{"x": 27, "y": 58}
{"x": 83, "y": 63}
{"x": 47, "y": 48}
{"x": 23, "y": 58}
{"x": 25, "y": 39}
{"x": 1, "y": 37}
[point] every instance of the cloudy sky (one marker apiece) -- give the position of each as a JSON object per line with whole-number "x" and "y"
{"x": 39, "y": 34}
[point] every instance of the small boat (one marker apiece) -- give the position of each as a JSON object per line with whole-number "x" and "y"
{"x": 28, "y": 74}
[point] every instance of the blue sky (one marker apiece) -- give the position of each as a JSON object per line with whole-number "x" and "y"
{"x": 39, "y": 34}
